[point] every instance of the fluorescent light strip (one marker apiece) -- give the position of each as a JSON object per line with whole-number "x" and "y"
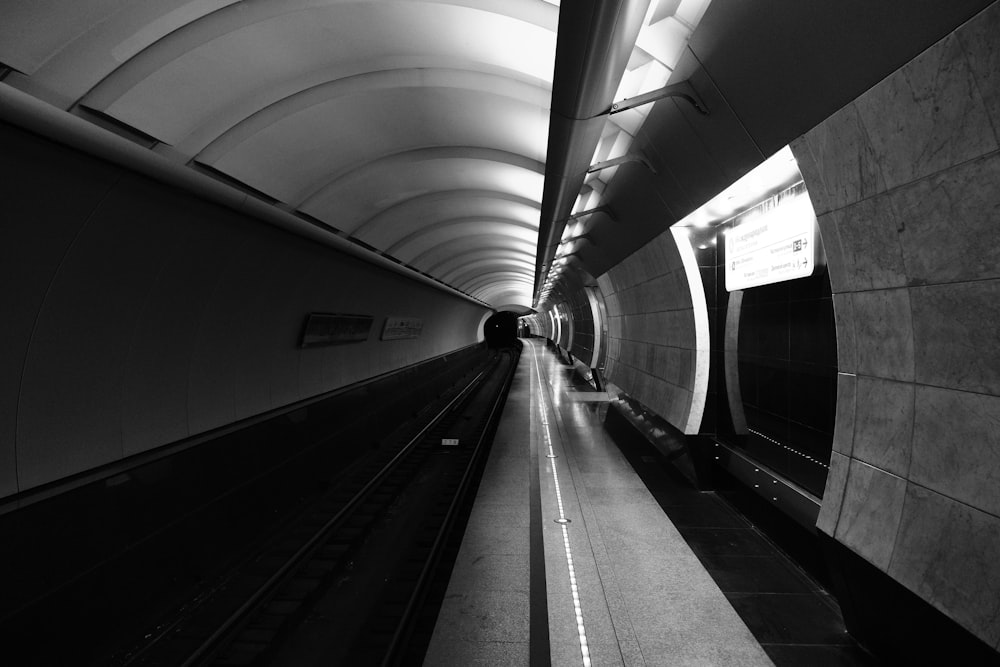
{"x": 562, "y": 520}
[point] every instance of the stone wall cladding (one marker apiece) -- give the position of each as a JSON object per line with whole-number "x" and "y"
{"x": 651, "y": 329}
{"x": 905, "y": 183}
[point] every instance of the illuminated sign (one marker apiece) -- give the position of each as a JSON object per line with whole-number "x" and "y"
{"x": 776, "y": 245}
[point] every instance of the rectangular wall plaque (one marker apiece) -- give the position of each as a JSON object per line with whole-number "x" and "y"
{"x": 334, "y": 329}
{"x": 777, "y": 245}
{"x": 399, "y": 328}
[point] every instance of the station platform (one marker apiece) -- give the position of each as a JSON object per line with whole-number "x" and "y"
{"x": 568, "y": 559}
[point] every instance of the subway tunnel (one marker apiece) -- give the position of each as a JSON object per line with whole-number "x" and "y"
{"x": 760, "y": 237}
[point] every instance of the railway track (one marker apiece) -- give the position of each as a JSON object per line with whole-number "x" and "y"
{"x": 345, "y": 583}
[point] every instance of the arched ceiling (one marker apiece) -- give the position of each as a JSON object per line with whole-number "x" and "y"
{"x": 417, "y": 128}
{"x": 443, "y": 134}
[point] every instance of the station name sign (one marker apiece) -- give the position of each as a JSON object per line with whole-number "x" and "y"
{"x": 777, "y": 245}
{"x": 402, "y": 328}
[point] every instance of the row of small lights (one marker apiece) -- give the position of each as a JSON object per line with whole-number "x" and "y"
{"x": 791, "y": 449}
{"x": 563, "y": 521}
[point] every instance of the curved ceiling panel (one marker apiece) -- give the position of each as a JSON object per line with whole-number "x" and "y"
{"x": 281, "y": 52}
{"x": 364, "y": 193}
{"x": 453, "y": 264}
{"x": 492, "y": 281}
{"x": 291, "y": 157}
{"x": 69, "y": 46}
{"x": 435, "y": 256}
{"x": 403, "y": 219}
{"x": 459, "y": 275}
{"x": 88, "y": 37}
{"x": 418, "y": 127}
{"x": 432, "y": 236}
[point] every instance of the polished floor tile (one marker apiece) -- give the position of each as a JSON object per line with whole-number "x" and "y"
{"x": 791, "y": 618}
{"x": 820, "y": 655}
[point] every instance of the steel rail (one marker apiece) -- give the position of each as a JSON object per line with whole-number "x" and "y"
{"x": 232, "y": 621}
{"x": 413, "y": 604}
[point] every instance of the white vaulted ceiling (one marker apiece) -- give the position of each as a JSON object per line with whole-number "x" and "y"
{"x": 417, "y": 128}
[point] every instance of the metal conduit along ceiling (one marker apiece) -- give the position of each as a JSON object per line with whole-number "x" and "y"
{"x": 417, "y": 128}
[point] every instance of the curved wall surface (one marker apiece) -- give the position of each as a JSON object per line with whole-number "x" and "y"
{"x": 652, "y": 336}
{"x": 136, "y": 315}
{"x": 904, "y": 181}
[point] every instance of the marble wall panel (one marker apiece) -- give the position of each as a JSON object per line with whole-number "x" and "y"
{"x": 641, "y": 386}
{"x": 884, "y": 424}
{"x": 686, "y": 368}
{"x": 949, "y": 219}
{"x": 869, "y": 517}
{"x": 632, "y": 354}
{"x": 927, "y": 116}
{"x": 982, "y": 52}
{"x": 631, "y": 327}
{"x": 956, "y": 446}
{"x": 645, "y": 263}
{"x": 884, "y": 332}
{"x": 614, "y": 327}
{"x": 809, "y": 168}
{"x": 622, "y": 301}
{"x": 955, "y": 333}
{"x": 620, "y": 374}
{"x": 667, "y": 248}
{"x": 670, "y": 291}
{"x": 613, "y": 305}
{"x": 662, "y": 362}
{"x": 660, "y": 328}
{"x": 843, "y": 433}
{"x": 621, "y": 278}
{"x": 654, "y": 328}
{"x": 904, "y": 180}
{"x": 845, "y": 163}
{"x": 658, "y": 393}
{"x": 682, "y": 292}
{"x": 616, "y": 274}
{"x": 947, "y": 553}
{"x": 606, "y": 284}
{"x": 665, "y": 252}
{"x": 656, "y": 294}
{"x": 635, "y": 272}
{"x": 847, "y": 343}
{"x": 682, "y": 331}
{"x": 871, "y": 253}
{"x": 829, "y": 230}
{"x": 631, "y": 303}
{"x": 674, "y": 290}
{"x": 833, "y": 494}
{"x": 647, "y": 357}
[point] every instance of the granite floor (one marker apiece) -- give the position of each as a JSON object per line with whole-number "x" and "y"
{"x": 621, "y": 584}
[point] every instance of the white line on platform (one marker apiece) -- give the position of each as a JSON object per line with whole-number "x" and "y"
{"x": 562, "y": 520}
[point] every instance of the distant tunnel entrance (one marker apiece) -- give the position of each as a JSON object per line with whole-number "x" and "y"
{"x": 501, "y": 330}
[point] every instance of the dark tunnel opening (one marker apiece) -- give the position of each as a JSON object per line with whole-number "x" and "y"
{"x": 500, "y": 330}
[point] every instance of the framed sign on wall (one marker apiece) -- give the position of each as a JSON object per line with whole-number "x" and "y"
{"x": 323, "y": 329}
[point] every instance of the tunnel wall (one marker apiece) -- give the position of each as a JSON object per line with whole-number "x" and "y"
{"x": 136, "y": 315}
{"x": 578, "y": 307}
{"x": 652, "y": 348}
{"x": 904, "y": 181}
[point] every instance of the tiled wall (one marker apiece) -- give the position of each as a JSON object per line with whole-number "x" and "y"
{"x": 651, "y": 329}
{"x": 906, "y": 183}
